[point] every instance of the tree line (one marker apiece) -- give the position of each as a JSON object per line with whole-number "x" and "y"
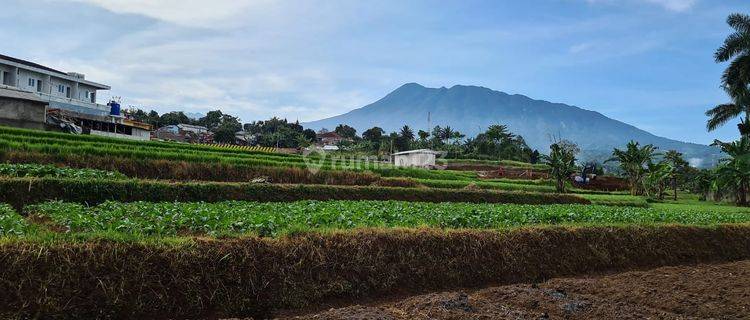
{"x": 495, "y": 143}
{"x": 650, "y": 173}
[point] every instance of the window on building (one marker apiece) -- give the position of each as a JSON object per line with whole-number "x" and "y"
{"x": 60, "y": 88}
{"x": 32, "y": 82}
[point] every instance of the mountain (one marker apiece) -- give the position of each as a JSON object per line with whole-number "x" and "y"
{"x": 194, "y": 115}
{"x": 471, "y": 109}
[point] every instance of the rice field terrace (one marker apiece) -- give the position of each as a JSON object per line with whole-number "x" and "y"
{"x": 94, "y": 227}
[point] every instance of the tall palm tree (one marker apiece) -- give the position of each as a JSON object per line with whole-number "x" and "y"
{"x": 736, "y": 77}
{"x": 679, "y": 166}
{"x": 407, "y": 133}
{"x": 734, "y": 172}
{"x": 633, "y": 161}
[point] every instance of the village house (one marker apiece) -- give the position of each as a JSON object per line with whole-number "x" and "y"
{"x": 39, "y": 97}
{"x": 184, "y": 133}
{"x": 330, "y": 138}
{"x": 423, "y": 158}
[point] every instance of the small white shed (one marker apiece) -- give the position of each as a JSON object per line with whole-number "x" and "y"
{"x": 415, "y": 158}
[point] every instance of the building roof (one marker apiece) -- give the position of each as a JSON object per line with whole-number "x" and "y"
{"x": 416, "y": 151}
{"x": 330, "y": 134}
{"x": 184, "y": 125}
{"x": 31, "y": 64}
{"x": 58, "y": 73}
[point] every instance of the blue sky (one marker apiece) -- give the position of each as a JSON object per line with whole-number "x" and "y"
{"x": 645, "y": 62}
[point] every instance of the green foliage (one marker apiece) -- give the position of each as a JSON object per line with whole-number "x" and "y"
{"x": 11, "y": 224}
{"x": 271, "y": 219}
{"x": 345, "y": 131}
{"x": 21, "y": 191}
{"x": 633, "y": 161}
{"x": 736, "y": 77}
{"x": 39, "y": 170}
{"x": 734, "y": 172}
{"x": 561, "y": 161}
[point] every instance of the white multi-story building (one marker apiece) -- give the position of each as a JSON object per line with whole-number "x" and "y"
{"x": 25, "y": 85}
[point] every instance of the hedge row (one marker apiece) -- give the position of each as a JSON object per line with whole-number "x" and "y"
{"x": 255, "y": 277}
{"x": 21, "y": 191}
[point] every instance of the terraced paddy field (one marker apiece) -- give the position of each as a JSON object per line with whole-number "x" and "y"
{"x": 92, "y": 227}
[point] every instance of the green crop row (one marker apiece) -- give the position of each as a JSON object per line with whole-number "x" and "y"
{"x": 460, "y": 184}
{"x": 505, "y": 163}
{"x": 11, "y": 223}
{"x": 16, "y": 132}
{"x": 23, "y": 191}
{"x": 271, "y": 219}
{"x": 42, "y": 170}
{"x": 166, "y": 148}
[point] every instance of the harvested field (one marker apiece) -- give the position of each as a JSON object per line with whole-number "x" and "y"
{"x": 246, "y": 277}
{"x": 720, "y": 291}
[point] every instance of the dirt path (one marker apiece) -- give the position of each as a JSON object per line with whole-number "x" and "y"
{"x": 700, "y": 292}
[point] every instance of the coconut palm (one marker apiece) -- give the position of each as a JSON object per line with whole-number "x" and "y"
{"x": 633, "y": 161}
{"x": 736, "y": 77}
{"x": 734, "y": 172}
{"x": 561, "y": 161}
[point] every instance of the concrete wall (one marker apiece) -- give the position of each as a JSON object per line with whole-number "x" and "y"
{"x": 9, "y": 80}
{"x": 82, "y": 89}
{"x": 22, "y": 113}
{"x": 55, "y": 82}
{"x": 23, "y": 80}
{"x": 414, "y": 160}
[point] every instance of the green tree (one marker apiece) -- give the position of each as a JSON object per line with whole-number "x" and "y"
{"x": 212, "y": 120}
{"x": 423, "y": 136}
{"x": 374, "y": 134}
{"x": 656, "y": 177}
{"x": 174, "y": 118}
{"x": 736, "y": 77}
{"x": 679, "y": 166}
{"x": 310, "y": 135}
{"x": 561, "y": 161}
{"x": 633, "y": 161}
{"x": 405, "y": 139}
{"x": 346, "y": 131}
{"x": 734, "y": 172}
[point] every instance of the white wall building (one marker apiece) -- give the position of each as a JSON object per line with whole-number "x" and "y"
{"x": 67, "y": 93}
{"x": 415, "y": 158}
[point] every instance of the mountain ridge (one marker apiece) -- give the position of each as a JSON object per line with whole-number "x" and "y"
{"x": 471, "y": 109}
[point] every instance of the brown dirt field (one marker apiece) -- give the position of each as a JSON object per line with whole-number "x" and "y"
{"x": 720, "y": 291}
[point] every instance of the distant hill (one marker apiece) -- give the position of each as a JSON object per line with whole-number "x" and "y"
{"x": 471, "y": 109}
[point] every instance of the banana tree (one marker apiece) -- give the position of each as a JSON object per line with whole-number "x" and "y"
{"x": 633, "y": 161}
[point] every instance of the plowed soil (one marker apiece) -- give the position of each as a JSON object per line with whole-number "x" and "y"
{"x": 719, "y": 291}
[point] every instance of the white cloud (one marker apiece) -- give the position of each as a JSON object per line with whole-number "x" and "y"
{"x": 197, "y": 13}
{"x": 671, "y": 5}
{"x": 674, "y": 5}
{"x": 581, "y": 47}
